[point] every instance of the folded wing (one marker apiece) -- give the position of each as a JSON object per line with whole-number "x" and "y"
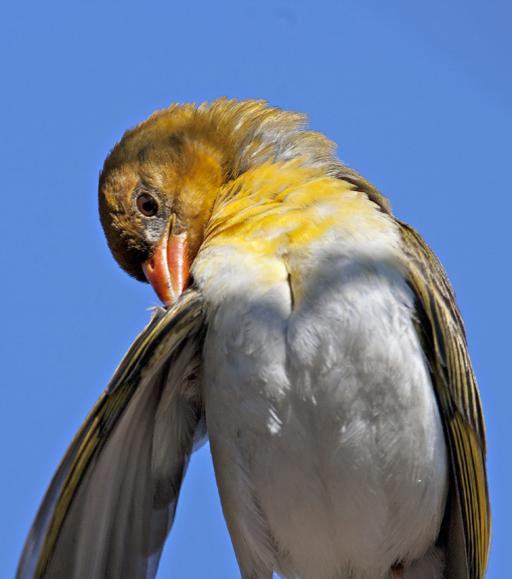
{"x": 467, "y": 527}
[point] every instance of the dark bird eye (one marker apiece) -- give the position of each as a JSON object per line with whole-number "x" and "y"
{"x": 147, "y": 205}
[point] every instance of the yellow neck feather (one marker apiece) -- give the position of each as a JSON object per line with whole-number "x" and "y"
{"x": 279, "y": 207}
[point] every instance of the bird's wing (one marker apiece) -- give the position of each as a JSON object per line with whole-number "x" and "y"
{"x": 467, "y": 527}
{"x": 112, "y": 500}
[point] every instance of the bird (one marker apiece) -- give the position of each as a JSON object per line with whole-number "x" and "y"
{"x": 312, "y": 337}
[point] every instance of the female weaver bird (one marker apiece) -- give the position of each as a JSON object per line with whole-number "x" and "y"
{"x": 312, "y": 336}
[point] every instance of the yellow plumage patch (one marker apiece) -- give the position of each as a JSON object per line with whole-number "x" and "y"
{"x": 286, "y": 206}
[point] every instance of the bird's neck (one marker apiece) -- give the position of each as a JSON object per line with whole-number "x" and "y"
{"x": 290, "y": 203}
{"x": 281, "y": 215}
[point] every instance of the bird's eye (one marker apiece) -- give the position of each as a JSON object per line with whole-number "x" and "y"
{"x": 147, "y": 205}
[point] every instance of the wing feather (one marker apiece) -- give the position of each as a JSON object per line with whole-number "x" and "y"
{"x": 441, "y": 331}
{"x": 112, "y": 500}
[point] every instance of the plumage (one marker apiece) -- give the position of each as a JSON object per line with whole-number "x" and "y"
{"x": 320, "y": 345}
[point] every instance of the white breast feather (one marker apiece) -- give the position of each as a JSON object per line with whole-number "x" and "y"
{"x": 324, "y": 427}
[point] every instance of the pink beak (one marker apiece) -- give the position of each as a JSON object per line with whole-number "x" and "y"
{"x": 167, "y": 269}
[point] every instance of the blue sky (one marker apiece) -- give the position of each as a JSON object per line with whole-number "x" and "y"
{"x": 416, "y": 94}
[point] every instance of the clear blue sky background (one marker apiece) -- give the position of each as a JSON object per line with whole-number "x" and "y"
{"x": 416, "y": 94}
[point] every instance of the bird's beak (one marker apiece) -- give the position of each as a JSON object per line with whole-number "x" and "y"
{"x": 167, "y": 269}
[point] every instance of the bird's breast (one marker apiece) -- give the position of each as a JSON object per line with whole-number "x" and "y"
{"x": 324, "y": 427}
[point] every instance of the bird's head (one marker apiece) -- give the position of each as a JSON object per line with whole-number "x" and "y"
{"x": 159, "y": 184}
{"x": 156, "y": 193}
